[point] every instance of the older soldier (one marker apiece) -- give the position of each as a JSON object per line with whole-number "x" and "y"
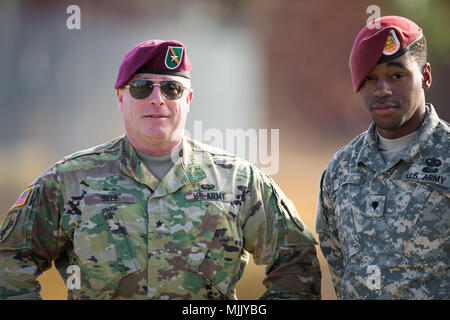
{"x": 153, "y": 214}
{"x": 384, "y": 212}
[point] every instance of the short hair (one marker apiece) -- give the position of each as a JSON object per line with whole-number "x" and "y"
{"x": 419, "y": 51}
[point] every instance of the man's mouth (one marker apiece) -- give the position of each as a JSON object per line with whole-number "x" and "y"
{"x": 384, "y": 108}
{"x": 151, "y": 116}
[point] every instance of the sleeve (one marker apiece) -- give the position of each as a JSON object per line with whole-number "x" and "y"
{"x": 325, "y": 227}
{"x": 29, "y": 239}
{"x": 277, "y": 238}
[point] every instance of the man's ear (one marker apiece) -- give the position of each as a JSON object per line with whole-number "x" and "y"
{"x": 119, "y": 93}
{"x": 189, "y": 96}
{"x": 189, "y": 99}
{"x": 426, "y": 76}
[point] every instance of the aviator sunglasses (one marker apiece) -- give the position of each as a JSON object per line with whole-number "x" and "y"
{"x": 142, "y": 88}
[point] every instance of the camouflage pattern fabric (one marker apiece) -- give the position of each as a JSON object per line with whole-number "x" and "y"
{"x": 384, "y": 227}
{"x": 133, "y": 237}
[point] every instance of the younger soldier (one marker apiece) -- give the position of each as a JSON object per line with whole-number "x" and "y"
{"x": 153, "y": 214}
{"x": 383, "y": 217}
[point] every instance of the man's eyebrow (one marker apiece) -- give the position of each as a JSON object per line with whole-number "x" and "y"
{"x": 395, "y": 64}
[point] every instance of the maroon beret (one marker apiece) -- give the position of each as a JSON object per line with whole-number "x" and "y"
{"x": 154, "y": 56}
{"x": 378, "y": 45}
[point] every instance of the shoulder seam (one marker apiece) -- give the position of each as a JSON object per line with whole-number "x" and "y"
{"x": 87, "y": 152}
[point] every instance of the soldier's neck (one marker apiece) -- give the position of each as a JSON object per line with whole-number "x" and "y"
{"x": 155, "y": 147}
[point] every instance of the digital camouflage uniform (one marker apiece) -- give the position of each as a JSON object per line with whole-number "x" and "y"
{"x": 384, "y": 227}
{"x": 134, "y": 237}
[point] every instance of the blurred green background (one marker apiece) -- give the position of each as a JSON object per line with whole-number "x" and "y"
{"x": 256, "y": 64}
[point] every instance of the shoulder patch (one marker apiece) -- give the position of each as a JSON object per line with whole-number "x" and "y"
{"x": 107, "y": 147}
{"x": 15, "y": 231}
{"x": 7, "y": 226}
{"x": 22, "y": 199}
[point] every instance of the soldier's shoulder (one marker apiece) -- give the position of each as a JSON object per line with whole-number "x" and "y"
{"x": 444, "y": 128}
{"x": 221, "y": 159}
{"x": 200, "y": 148}
{"x": 103, "y": 151}
{"x": 84, "y": 159}
{"x": 348, "y": 153}
{"x": 218, "y": 154}
{"x": 439, "y": 142}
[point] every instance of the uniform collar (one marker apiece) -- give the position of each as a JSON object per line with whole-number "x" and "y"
{"x": 185, "y": 171}
{"x": 370, "y": 156}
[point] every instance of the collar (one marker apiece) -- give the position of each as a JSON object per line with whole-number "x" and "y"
{"x": 370, "y": 156}
{"x": 385, "y": 144}
{"x": 185, "y": 171}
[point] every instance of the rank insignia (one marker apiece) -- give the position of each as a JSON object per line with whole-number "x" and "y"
{"x": 375, "y": 206}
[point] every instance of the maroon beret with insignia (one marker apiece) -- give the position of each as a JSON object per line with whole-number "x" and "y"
{"x": 375, "y": 45}
{"x": 154, "y": 56}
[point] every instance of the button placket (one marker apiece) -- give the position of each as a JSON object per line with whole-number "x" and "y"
{"x": 157, "y": 217}
{"x": 157, "y": 238}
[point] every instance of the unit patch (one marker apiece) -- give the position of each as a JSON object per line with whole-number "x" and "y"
{"x": 174, "y": 56}
{"x": 7, "y": 226}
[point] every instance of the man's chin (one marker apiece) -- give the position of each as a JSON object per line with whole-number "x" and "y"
{"x": 161, "y": 137}
{"x": 387, "y": 124}
{"x": 155, "y": 133}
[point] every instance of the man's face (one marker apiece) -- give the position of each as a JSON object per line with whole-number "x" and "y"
{"x": 394, "y": 97}
{"x": 154, "y": 120}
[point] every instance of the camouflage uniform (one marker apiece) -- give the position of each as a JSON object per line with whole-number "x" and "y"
{"x": 133, "y": 237}
{"x": 384, "y": 227}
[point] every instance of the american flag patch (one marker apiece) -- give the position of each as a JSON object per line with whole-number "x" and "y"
{"x": 22, "y": 199}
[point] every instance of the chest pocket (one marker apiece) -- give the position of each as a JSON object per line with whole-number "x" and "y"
{"x": 430, "y": 235}
{"x": 102, "y": 246}
{"x": 216, "y": 250}
{"x": 347, "y": 190}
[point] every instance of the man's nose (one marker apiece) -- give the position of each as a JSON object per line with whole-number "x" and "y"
{"x": 156, "y": 98}
{"x": 382, "y": 89}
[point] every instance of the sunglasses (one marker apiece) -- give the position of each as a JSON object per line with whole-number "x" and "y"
{"x": 142, "y": 88}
